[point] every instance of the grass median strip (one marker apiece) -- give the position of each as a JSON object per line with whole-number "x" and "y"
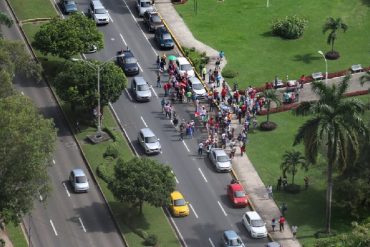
{"x": 31, "y": 9}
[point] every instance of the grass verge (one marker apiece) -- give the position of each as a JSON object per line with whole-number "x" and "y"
{"x": 307, "y": 208}
{"x": 242, "y": 30}
{"x": 16, "y": 235}
{"x": 31, "y": 9}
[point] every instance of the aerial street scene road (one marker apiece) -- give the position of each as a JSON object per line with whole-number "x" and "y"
{"x": 184, "y": 123}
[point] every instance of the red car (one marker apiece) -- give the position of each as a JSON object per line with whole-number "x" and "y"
{"x": 237, "y": 195}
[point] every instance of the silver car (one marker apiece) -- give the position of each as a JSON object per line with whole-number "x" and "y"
{"x": 149, "y": 141}
{"x": 231, "y": 239}
{"x": 141, "y": 89}
{"x": 79, "y": 180}
{"x": 197, "y": 88}
{"x": 220, "y": 160}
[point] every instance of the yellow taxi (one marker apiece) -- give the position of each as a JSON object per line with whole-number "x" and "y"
{"x": 178, "y": 206}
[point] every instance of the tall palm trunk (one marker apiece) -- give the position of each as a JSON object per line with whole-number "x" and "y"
{"x": 332, "y": 144}
{"x": 268, "y": 110}
{"x": 332, "y": 45}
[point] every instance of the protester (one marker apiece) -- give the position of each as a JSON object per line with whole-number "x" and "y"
{"x": 281, "y": 223}
{"x": 273, "y": 224}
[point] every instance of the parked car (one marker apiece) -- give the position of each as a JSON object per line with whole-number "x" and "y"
{"x": 143, "y": 6}
{"x": 254, "y": 224}
{"x": 92, "y": 48}
{"x": 220, "y": 160}
{"x": 183, "y": 66}
{"x": 237, "y": 195}
{"x": 152, "y": 20}
{"x": 78, "y": 180}
{"x": 197, "y": 88}
{"x": 68, "y": 6}
{"x": 149, "y": 141}
{"x": 178, "y": 206}
{"x": 231, "y": 239}
{"x": 98, "y": 12}
{"x": 140, "y": 89}
{"x": 164, "y": 38}
{"x": 127, "y": 61}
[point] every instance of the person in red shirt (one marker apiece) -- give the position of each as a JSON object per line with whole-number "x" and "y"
{"x": 281, "y": 223}
{"x": 236, "y": 96}
{"x": 223, "y": 93}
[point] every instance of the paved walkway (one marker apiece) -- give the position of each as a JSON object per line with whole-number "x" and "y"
{"x": 243, "y": 168}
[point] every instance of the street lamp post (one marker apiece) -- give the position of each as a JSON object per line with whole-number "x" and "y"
{"x": 326, "y": 66}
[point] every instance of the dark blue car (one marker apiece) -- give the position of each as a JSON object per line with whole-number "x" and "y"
{"x": 128, "y": 62}
{"x": 68, "y": 7}
{"x": 163, "y": 38}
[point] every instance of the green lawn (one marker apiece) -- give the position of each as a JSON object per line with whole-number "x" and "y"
{"x": 31, "y": 9}
{"x": 16, "y": 235}
{"x": 306, "y": 209}
{"x": 242, "y": 29}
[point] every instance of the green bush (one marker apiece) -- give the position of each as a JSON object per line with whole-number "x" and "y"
{"x": 229, "y": 73}
{"x": 142, "y": 233}
{"x": 290, "y": 27}
{"x": 105, "y": 172}
{"x": 113, "y": 134}
{"x": 151, "y": 240}
{"x": 199, "y": 60}
{"x": 292, "y": 188}
{"x": 2, "y": 242}
{"x": 111, "y": 151}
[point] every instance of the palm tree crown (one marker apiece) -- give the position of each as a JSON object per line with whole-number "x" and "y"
{"x": 336, "y": 127}
{"x": 291, "y": 161}
{"x": 333, "y": 25}
{"x": 270, "y": 96}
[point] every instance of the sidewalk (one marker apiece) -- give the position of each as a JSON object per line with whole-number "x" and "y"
{"x": 243, "y": 168}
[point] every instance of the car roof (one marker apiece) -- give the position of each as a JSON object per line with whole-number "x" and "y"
{"x": 147, "y": 132}
{"x": 78, "y": 172}
{"x": 236, "y": 187}
{"x": 182, "y": 60}
{"x": 97, "y": 4}
{"x": 253, "y": 215}
{"x": 230, "y": 234}
{"x": 140, "y": 80}
{"x": 162, "y": 30}
{"x": 127, "y": 53}
{"x": 176, "y": 195}
{"x": 219, "y": 151}
{"x": 194, "y": 80}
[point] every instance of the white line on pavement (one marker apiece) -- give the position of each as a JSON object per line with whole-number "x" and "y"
{"x": 22, "y": 93}
{"x": 82, "y": 224}
{"x": 191, "y": 206}
{"x": 41, "y": 198}
{"x": 110, "y": 18}
{"x": 177, "y": 181}
{"x": 124, "y": 41}
{"x": 223, "y": 210}
{"x": 200, "y": 170}
{"x": 142, "y": 119}
{"x": 128, "y": 94}
{"x": 65, "y": 187}
{"x": 114, "y": 112}
{"x": 186, "y": 146}
{"x": 140, "y": 67}
{"x": 155, "y": 93}
{"x": 177, "y": 229}
{"x": 52, "y": 225}
{"x": 210, "y": 241}
{"x": 53, "y": 161}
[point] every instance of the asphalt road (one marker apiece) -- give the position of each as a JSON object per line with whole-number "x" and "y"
{"x": 64, "y": 218}
{"x": 211, "y": 213}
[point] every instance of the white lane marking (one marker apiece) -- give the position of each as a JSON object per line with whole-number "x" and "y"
{"x": 112, "y": 39}
{"x": 155, "y": 93}
{"x": 177, "y": 229}
{"x": 210, "y": 241}
{"x": 83, "y": 12}
{"x": 140, "y": 67}
{"x": 223, "y": 210}
{"x": 177, "y": 181}
{"x": 82, "y": 224}
{"x": 142, "y": 119}
{"x": 191, "y": 206}
{"x": 41, "y": 198}
{"x": 114, "y": 111}
{"x": 22, "y": 93}
{"x": 53, "y": 161}
{"x": 124, "y": 41}
{"x": 110, "y": 18}
{"x": 52, "y": 225}
{"x": 186, "y": 146}
{"x": 83, "y": 56}
{"x": 128, "y": 94}
{"x": 200, "y": 170}
{"x": 65, "y": 187}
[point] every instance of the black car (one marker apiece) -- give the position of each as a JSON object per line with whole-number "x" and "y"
{"x": 163, "y": 38}
{"x": 128, "y": 62}
{"x": 152, "y": 20}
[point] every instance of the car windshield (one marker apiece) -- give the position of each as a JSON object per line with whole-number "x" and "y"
{"x": 197, "y": 86}
{"x": 257, "y": 223}
{"x": 186, "y": 67}
{"x": 235, "y": 242}
{"x": 239, "y": 194}
{"x": 179, "y": 202}
{"x": 145, "y": 4}
{"x": 143, "y": 87}
{"x": 222, "y": 158}
{"x": 81, "y": 179}
{"x": 131, "y": 60}
{"x": 100, "y": 11}
{"x": 166, "y": 37}
{"x": 151, "y": 139}
{"x": 156, "y": 19}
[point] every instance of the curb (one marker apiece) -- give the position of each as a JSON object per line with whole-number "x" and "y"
{"x": 70, "y": 128}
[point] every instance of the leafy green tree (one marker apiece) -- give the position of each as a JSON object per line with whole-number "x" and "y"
{"x": 77, "y": 83}
{"x": 333, "y": 25}
{"x": 142, "y": 180}
{"x": 270, "y": 96}
{"x": 15, "y": 59}
{"x": 335, "y": 128}
{"x": 6, "y": 86}
{"x": 27, "y": 143}
{"x": 68, "y": 37}
{"x": 291, "y": 161}
{"x": 5, "y": 20}
{"x": 365, "y": 78}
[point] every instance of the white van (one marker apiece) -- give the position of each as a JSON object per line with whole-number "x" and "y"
{"x": 143, "y": 6}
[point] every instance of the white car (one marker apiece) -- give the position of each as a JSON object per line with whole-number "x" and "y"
{"x": 98, "y": 12}
{"x": 79, "y": 180}
{"x": 143, "y": 6}
{"x": 220, "y": 160}
{"x": 197, "y": 88}
{"x": 254, "y": 224}
{"x": 183, "y": 66}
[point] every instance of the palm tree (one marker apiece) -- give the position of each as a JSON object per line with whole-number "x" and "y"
{"x": 291, "y": 161}
{"x": 335, "y": 127}
{"x": 365, "y": 78}
{"x": 333, "y": 25}
{"x": 270, "y": 96}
